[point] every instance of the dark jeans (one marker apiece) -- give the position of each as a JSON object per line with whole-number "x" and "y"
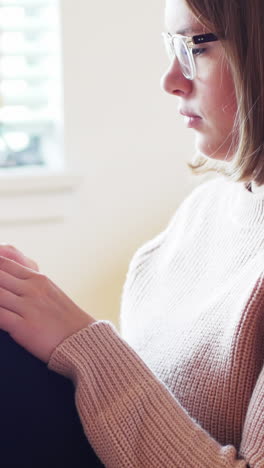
{"x": 39, "y": 424}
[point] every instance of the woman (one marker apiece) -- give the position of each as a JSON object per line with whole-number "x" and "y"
{"x": 184, "y": 387}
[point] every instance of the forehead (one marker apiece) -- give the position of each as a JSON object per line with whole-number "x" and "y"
{"x": 179, "y": 18}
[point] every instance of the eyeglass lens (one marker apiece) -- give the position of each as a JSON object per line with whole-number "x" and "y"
{"x": 183, "y": 54}
{"x": 177, "y": 47}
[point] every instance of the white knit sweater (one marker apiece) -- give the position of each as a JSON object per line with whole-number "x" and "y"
{"x": 184, "y": 387}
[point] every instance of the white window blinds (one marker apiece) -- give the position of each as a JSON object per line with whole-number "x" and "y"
{"x": 30, "y": 78}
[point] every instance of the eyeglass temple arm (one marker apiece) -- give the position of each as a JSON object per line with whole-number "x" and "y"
{"x": 201, "y": 38}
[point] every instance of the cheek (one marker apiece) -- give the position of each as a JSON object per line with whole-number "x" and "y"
{"x": 220, "y": 105}
{"x": 216, "y": 86}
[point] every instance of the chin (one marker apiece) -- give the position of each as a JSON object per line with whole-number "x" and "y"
{"x": 214, "y": 152}
{"x": 214, "y": 149}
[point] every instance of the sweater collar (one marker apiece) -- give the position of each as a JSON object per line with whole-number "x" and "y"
{"x": 257, "y": 189}
{"x": 246, "y": 207}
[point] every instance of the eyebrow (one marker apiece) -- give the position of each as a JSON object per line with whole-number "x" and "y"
{"x": 189, "y": 31}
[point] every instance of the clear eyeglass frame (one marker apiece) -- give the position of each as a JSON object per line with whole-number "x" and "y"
{"x": 181, "y": 47}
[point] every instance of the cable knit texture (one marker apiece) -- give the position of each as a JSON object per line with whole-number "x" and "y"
{"x": 184, "y": 385}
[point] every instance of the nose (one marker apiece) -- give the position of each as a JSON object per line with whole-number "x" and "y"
{"x": 174, "y": 82}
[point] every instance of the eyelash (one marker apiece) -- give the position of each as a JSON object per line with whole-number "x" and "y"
{"x": 200, "y": 51}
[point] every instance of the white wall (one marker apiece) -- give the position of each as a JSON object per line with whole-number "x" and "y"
{"x": 124, "y": 136}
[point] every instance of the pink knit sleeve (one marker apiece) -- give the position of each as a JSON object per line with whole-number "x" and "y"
{"x": 130, "y": 417}
{"x": 252, "y": 444}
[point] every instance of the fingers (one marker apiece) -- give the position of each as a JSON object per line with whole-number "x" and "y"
{"x": 11, "y": 302}
{"x": 12, "y": 284}
{"x": 15, "y": 269}
{"x": 9, "y": 321}
{"x": 11, "y": 252}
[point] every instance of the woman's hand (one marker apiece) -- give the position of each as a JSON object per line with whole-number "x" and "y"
{"x": 11, "y": 252}
{"x": 34, "y": 311}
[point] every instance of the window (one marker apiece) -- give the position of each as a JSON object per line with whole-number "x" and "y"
{"x": 30, "y": 84}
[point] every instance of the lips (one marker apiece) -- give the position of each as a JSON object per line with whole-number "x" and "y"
{"x": 189, "y": 114}
{"x": 191, "y": 119}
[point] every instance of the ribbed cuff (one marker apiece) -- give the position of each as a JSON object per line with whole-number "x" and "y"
{"x": 99, "y": 356}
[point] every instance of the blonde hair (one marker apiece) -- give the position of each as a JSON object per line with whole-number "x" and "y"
{"x": 239, "y": 25}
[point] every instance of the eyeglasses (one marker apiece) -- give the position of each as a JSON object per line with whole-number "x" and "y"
{"x": 184, "y": 48}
